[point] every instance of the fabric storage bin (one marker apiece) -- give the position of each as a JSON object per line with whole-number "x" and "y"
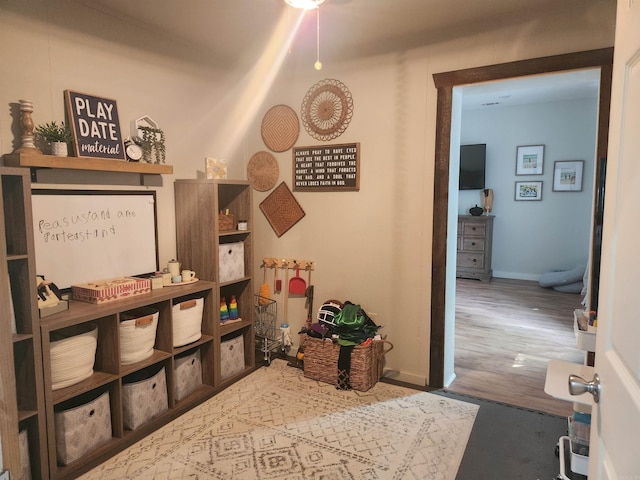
{"x": 144, "y": 396}
{"x": 137, "y": 334}
{"x": 187, "y": 321}
{"x": 25, "y": 460}
{"x": 321, "y": 362}
{"x": 187, "y": 374}
{"x": 73, "y": 354}
{"x": 232, "y": 356}
{"x": 231, "y": 256}
{"x": 82, "y": 428}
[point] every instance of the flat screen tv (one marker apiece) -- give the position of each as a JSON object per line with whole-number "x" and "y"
{"x": 472, "y": 166}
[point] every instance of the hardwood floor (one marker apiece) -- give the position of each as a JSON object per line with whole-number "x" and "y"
{"x": 506, "y": 332}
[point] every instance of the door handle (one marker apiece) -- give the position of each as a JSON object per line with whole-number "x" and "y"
{"x": 578, "y": 386}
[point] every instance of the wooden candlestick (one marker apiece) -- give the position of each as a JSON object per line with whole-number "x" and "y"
{"x": 26, "y": 123}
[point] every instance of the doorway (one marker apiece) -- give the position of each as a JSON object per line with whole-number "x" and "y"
{"x": 442, "y": 319}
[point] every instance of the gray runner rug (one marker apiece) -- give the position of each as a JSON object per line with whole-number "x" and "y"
{"x": 509, "y": 442}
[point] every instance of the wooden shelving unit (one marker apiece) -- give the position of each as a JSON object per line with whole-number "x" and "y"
{"x": 84, "y": 163}
{"x": 23, "y": 407}
{"x": 109, "y": 373}
{"x": 25, "y": 369}
{"x": 199, "y": 239}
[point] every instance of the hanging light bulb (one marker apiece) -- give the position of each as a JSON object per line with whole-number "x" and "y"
{"x": 310, "y": 5}
{"x": 318, "y": 64}
{"x": 304, "y": 4}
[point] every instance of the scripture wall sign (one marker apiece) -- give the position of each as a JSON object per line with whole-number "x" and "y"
{"x": 327, "y": 168}
{"x": 95, "y": 126}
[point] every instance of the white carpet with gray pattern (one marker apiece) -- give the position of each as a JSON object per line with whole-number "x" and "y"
{"x": 275, "y": 424}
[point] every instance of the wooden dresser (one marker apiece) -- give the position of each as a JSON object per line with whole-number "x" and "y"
{"x": 474, "y": 247}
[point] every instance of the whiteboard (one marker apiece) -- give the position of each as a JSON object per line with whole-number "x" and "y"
{"x": 83, "y": 236}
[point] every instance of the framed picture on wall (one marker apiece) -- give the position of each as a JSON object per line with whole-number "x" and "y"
{"x": 528, "y": 191}
{"x": 529, "y": 159}
{"x": 567, "y": 175}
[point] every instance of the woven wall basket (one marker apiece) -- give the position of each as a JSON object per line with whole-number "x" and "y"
{"x": 321, "y": 362}
{"x": 262, "y": 171}
{"x": 280, "y": 128}
{"x": 281, "y": 209}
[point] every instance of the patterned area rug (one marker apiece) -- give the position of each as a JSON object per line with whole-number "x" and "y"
{"x": 275, "y": 424}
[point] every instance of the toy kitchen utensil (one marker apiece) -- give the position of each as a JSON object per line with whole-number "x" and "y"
{"x": 297, "y": 285}
{"x": 174, "y": 268}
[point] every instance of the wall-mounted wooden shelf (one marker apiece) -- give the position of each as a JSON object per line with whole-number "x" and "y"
{"x": 84, "y": 163}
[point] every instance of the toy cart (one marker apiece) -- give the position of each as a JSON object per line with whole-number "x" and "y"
{"x": 268, "y": 335}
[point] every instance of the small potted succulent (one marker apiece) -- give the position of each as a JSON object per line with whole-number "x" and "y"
{"x": 57, "y": 135}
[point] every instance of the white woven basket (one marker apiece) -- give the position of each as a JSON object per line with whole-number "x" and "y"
{"x": 138, "y": 335}
{"x": 187, "y": 321}
{"x": 73, "y": 354}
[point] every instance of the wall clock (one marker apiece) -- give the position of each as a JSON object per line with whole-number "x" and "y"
{"x": 327, "y": 109}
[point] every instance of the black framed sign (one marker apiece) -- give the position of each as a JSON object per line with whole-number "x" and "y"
{"x": 327, "y": 168}
{"x": 95, "y": 126}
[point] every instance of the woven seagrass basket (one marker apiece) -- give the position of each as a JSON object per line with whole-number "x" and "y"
{"x": 367, "y": 362}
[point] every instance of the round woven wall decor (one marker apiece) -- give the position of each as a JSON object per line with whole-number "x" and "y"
{"x": 262, "y": 171}
{"x": 327, "y": 109}
{"x": 280, "y": 128}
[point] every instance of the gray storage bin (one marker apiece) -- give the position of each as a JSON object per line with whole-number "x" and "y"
{"x": 144, "y": 396}
{"x": 187, "y": 374}
{"x": 25, "y": 460}
{"x": 232, "y": 356}
{"x": 82, "y": 428}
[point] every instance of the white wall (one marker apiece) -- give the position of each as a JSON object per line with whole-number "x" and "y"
{"x": 372, "y": 246}
{"x": 531, "y": 238}
{"x": 46, "y": 50}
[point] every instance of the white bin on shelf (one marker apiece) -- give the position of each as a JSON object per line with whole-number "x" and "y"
{"x": 73, "y": 354}
{"x": 137, "y": 334}
{"x": 187, "y": 321}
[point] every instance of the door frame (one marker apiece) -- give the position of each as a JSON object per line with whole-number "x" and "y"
{"x": 445, "y": 82}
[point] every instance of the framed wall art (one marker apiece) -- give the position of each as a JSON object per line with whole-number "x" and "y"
{"x": 528, "y": 191}
{"x": 327, "y": 168}
{"x": 529, "y": 159}
{"x": 567, "y": 175}
{"x": 95, "y": 126}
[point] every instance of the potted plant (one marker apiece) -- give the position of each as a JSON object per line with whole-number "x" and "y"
{"x": 152, "y": 142}
{"x": 57, "y": 135}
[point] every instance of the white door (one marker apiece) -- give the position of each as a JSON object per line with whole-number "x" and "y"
{"x": 615, "y": 430}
